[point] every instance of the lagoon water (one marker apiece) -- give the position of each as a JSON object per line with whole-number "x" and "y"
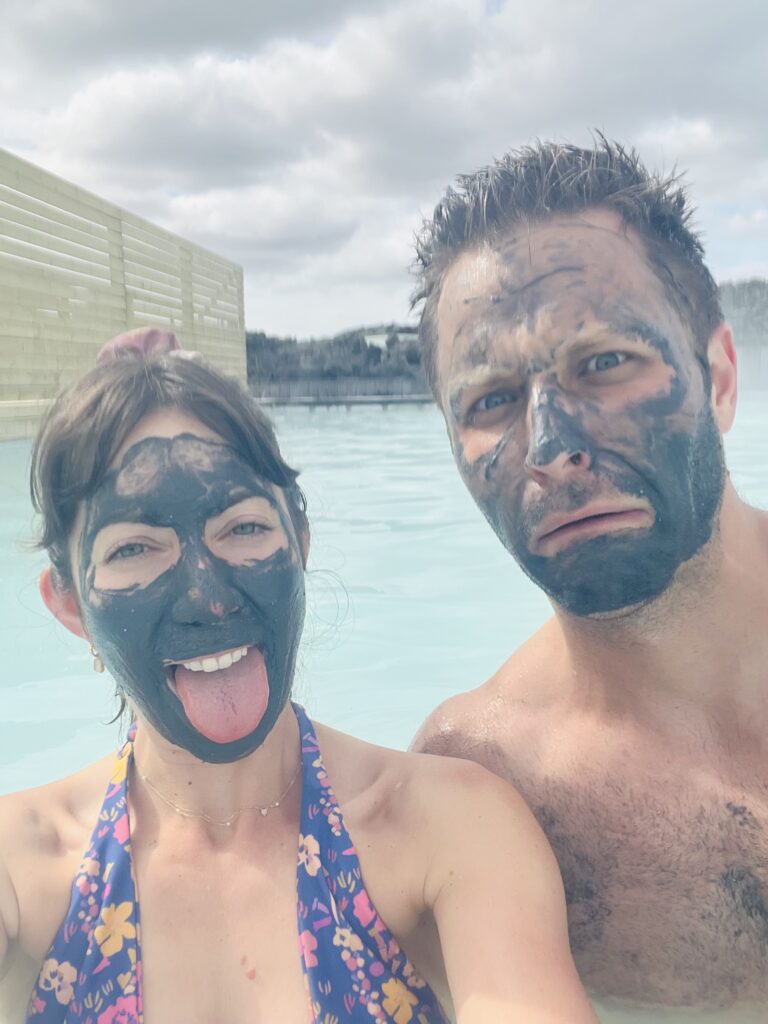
{"x": 411, "y": 597}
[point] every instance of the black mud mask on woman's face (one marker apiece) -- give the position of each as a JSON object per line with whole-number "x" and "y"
{"x": 158, "y": 637}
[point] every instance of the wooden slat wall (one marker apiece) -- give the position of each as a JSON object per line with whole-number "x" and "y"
{"x": 76, "y": 270}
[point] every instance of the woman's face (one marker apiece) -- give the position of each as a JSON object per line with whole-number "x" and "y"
{"x": 191, "y": 586}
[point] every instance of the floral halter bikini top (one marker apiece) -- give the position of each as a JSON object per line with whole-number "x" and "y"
{"x": 354, "y": 969}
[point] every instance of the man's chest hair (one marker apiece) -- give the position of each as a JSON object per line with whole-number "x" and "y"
{"x": 667, "y": 885}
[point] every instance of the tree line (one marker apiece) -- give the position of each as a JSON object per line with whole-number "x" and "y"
{"x": 393, "y": 350}
{"x": 382, "y": 351}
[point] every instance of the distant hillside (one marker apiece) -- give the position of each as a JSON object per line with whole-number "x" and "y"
{"x": 383, "y": 351}
{"x": 745, "y": 305}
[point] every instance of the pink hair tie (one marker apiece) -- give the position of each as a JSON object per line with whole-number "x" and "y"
{"x": 141, "y": 341}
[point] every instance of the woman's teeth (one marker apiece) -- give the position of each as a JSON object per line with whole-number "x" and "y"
{"x": 216, "y": 661}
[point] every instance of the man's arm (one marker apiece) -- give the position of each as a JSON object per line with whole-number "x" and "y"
{"x": 498, "y": 901}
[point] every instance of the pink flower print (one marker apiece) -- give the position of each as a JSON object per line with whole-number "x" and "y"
{"x": 308, "y": 945}
{"x": 122, "y": 830}
{"x": 89, "y": 871}
{"x": 363, "y": 910}
{"x": 37, "y": 1005}
{"x": 57, "y": 978}
{"x": 123, "y": 1012}
{"x": 309, "y": 849}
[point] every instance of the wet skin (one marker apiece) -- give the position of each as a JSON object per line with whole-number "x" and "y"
{"x": 210, "y": 563}
{"x": 570, "y": 387}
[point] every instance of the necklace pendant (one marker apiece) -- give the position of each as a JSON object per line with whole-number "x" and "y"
{"x": 264, "y": 811}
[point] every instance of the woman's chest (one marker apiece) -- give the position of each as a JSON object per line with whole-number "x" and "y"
{"x": 219, "y": 940}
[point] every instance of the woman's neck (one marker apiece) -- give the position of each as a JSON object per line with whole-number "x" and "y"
{"x": 181, "y": 785}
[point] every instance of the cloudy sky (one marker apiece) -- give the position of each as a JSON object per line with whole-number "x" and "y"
{"x": 305, "y": 139}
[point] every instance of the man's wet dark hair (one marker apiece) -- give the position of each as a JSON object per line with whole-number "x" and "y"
{"x": 545, "y": 179}
{"x": 90, "y": 420}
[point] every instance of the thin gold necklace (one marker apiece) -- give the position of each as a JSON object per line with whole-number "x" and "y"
{"x": 185, "y": 812}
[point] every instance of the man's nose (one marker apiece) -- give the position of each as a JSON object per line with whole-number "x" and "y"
{"x": 206, "y": 597}
{"x": 558, "y": 448}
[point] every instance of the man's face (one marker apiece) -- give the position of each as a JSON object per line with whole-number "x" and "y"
{"x": 578, "y": 414}
{"x": 191, "y": 587}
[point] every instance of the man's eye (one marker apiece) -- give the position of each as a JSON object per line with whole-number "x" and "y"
{"x": 130, "y": 550}
{"x": 493, "y": 401}
{"x": 605, "y": 361}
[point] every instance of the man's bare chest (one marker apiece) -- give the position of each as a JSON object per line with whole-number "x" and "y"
{"x": 667, "y": 886}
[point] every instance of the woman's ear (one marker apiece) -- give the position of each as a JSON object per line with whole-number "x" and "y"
{"x": 61, "y": 602}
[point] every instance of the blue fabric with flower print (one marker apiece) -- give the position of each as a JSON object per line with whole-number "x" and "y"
{"x": 353, "y": 966}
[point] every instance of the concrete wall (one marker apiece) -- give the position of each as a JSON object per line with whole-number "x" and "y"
{"x": 76, "y": 270}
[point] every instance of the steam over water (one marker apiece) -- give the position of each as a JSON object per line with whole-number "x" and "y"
{"x": 411, "y": 597}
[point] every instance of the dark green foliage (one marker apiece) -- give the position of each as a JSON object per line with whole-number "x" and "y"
{"x": 391, "y": 350}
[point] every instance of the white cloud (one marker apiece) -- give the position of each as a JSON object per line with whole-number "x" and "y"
{"x": 754, "y": 223}
{"x": 305, "y": 139}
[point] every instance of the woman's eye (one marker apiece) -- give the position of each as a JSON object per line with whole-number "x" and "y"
{"x": 130, "y": 550}
{"x": 605, "y": 361}
{"x": 248, "y": 529}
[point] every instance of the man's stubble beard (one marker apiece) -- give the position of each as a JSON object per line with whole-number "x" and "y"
{"x": 633, "y": 575}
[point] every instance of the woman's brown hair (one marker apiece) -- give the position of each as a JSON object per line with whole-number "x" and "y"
{"x": 88, "y": 423}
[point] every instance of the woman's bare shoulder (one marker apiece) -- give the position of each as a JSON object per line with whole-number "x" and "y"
{"x": 413, "y": 787}
{"x": 43, "y": 834}
{"x": 45, "y": 820}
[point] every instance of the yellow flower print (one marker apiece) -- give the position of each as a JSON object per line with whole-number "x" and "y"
{"x": 346, "y": 937}
{"x": 334, "y": 820}
{"x": 398, "y": 1001}
{"x": 115, "y": 928}
{"x": 90, "y": 866}
{"x": 57, "y": 978}
{"x": 120, "y": 771}
{"x": 309, "y": 848}
{"x": 127, "y": 981}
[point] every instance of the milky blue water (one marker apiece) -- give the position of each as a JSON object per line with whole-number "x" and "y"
{"x": 411, "y": 597}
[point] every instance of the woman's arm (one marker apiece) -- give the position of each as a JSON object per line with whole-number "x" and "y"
{"x": 497, "y": 897}
{"x": 9, "y": 910}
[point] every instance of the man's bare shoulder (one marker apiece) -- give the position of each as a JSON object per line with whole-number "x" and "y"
{"x": 509, "y": 704}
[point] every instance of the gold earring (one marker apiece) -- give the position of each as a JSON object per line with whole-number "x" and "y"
{"x": 98, "y": 662}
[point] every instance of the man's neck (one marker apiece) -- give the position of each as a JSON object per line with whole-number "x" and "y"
{"x": 700, "y": 646}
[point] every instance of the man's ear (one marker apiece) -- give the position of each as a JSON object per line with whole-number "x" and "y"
{"x": 721, "y": 355}
{"x": 61, "y": 603}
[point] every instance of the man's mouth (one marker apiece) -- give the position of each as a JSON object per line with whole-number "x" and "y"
{"x": 559, "y": 531}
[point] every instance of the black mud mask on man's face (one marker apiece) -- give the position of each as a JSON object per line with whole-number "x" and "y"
{"x": 178, "y": 592}
{"x": 569, "y": 381}
{"x": 625, "y": 569}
